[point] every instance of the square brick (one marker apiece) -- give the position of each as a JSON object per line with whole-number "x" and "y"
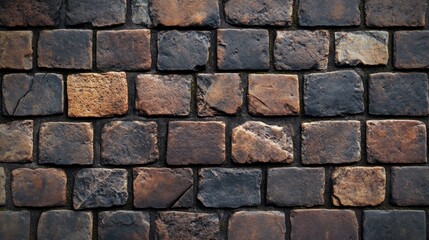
{"x": 75, "y": 225}
{"x": 16, "y": 50}
{"x": 123, "y": 225}
{"x": 15, "y": 225}
{"x": 16, "y": 141}
{"x": 411, "y": 49}
{"x": 24, "y": 13}
{"x": 410, "y": 186}
{"x": 394, "y": 13}
{"x": 257, "y": 225}
{"x": 99, "y": 13}
{"x": 329, "y": 12}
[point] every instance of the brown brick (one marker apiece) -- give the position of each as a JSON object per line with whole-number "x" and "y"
{"x": 411, "y": 49}
{"x": 258, "y": 142}
{"x": 97, "y": 95}
{"x": 16, "y": 141}
{"x": 42, "y": 187}
{"x": 16, "y": 51}
{"x": 273, "y": 94}
{"x": 2, "y": 187}
{"x": 128, "y": 225}
{"x": 23, "y": 13}
{"x": 396, "y": 141}
{"x": 15, "y": 225}
{"x": 392, "y": 13}
{"x": 163, "y": 94}
{"x": 257, "y": 225}
{"x": 196, "y": 143}
{"x": 358, "y": 186}
{"x": 329, "y": 12}
{"x": 99, "y": 13}
{"x": 57, "y": 224}
{"x": 410, "y": 186}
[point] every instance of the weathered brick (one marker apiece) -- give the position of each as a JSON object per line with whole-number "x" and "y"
{"x": 361, "y": 47}
{"x": 183, "y": 225}
{"x": 65, "y": 48}
{"x": 42, "y": 187}
{"x": 273, "y": 95}
{"x": 123, "y": 225}
{"x": 129, "y": 142}
{"x": 259, "y": 142}
{"x": 33, "y": 95}
{"x": 229, "y": 188}
{"x": 140, "y": 13}
{"x": 196, "y": 143}
{"x": 219, "y": 94}
{"x": 300, "y": 50}
{"x": 64, "y": 143}
{"x": 243, "y": 49}
{"x": 409, "y": 186}
{"x": 99, "y": 13}
{"x": 24, "y": 13}
{"x": 15, "y": 225}
{"x": 333, "y": 94}
{"x": 162, "y": 187}
{"x": 358, "y": 186}
{"x": 325, "y": 224}
{"x": 411, "y": 49}
{"x": 2, "y": 187}
{"x": 331, "y": 142}
{"x": 68, "y": 224}
{"x": 124, "y": 50}
{"x": 394, "y": 224}
{"x": 329, "y": 12}
{"x": 396, "y": 141}
{"x": 393, "y": 13}
{"x": 159, "y": 95}
{"x": 97, "y": 94}
{"x": 100, "y": 187}
{"x": 16, "y": 141}
{"x": 257, "y": 225}
{"x": 16, "y": 51}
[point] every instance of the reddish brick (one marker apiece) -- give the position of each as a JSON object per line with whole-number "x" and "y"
{"x": 16, "y": 141}
{"x": 16, "y": 50}
{"x": 329, "y": 12}
{"x": 57, "y": 224}
{"x": 15, "y": 225}
{"x": 128, "y": 225}
{"x": 411, "y": 49}
{"x": 257, "y": 225}
{"x": 410, "y": 186}
{"x": 393, "y": 13}
{"x": 99, "y": 13}
{"x": 2, "y": 187}
{"x": 23, "y": 13}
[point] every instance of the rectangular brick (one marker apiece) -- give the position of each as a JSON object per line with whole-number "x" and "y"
{"x": 24, "y": 13}
{"x": 140, "y": 13}
{"x": 15, "y": 225}
{"x": 392, "y": 13}
{"x": 16, "y": 141}
{"x": 329, "y": 12}
{"x": 411, "y": 49}
{"x": 55, "y": 223}
{"x": 257, "y": 225}
{"x": 98, "y": 13}
{"x": 16, "y": 50}
{"x": 410, "y": 186}
{"x": 129, "y": 225}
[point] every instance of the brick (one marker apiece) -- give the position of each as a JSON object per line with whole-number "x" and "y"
{"x": 16, "y": 50}
{"x": 97, "y": 94}
{"x": 55, "y": 223}
{"x": 257, "y": 225}
{"x": 98, "y": 13}
{"x": 185, "y": 13}
{"x": 129, "y": 143}
{"x": 329, "y": 12}
{"x": 2, "y": 187}
{"x": 337, "y": 93}
{"x": 273, "y": 95}
{"x": 409, "y": 186}
{"x": 411, "y": 49}
{"x": 16, "y": 141}
{"x": 162, "y": 187}
{"x": 123, "y": 225}
{"x": 140, "y": 13}
{"x": 394, "y": 224}
{"x": 301, "y": 50}
{"x": 65, "y": 48}
{"x": 328, "y": 224}
{"x": 42, "y": 187}
{"x": 163, "y": 95}
{"x": 396, "y": 141}
{"x": 254, "y": 142}
{"x": 243, "y": 49}
{"x": 229, "y": 188}
{"x": 219, "y": 94}
{"x": 392, "y": 13}
{"x": 15, "y": 225}
{"x": 331, "y": 142}
{"x": 183, "y": 225}
{"x": 100, "y": 187}
{"x": 24, "y": 13}
{"x": 64, "y": 143}
{"x": 124, "y": 50}
{"x": 33, "y": 95}
{"x": 179, "y": 50}
{"x": 361, "y": 48}
{"x": 358, "y": 186}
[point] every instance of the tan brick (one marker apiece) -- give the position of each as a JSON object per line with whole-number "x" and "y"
{"x": 16, "y": 51}
{"x": 16, "y": 141}
{"x": 257, "y": 225}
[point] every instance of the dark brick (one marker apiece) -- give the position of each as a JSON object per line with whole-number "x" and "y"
{"x": 65, "y": 48}
{"x": 15, "y": 225}
{"x": 27, "y": 95}
{"x": 2, "y": 187}
{"x": 64, "y": 143}
{"x": 333, "y": 94}
{"x": 129, "y": 142}
{"x": 229, "y": 188}
{"x": 123, "y": 225}
{"x": 329, "y": 12}
{"x": 410, "y": 186}
{"x": 331, "y": 142}
{"x": 393, "y": 13}
{"x": 23, "y": 13}
{"x": 394, "y": 225}
{"x": 140, "y": 13}
{"x": 60, "y": 224}
{"x": 124, "y": 50}
{"x": 396, "y": 141}
{"x": 243, "y": 49}
{"x": 99, "y": 13}
{"x": 302, "y": 49}
{"x": 16, "y": 141}
{"x": 196, "y": 143}
{"x": 100, "y": 187}
{"x": 411, "y": 49}
{"x": 16, "y": 50}
{"x": 256, "y": 225}
{"x": 42, "y": 187}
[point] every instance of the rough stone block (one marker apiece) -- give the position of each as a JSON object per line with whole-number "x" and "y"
{"x": 68, "y": 224}
{"x": 15, "y": 225}
{"x": 128, "y": 225}
{"x": 24, "y": 13}
{"x": 409, "y": 186}
{"x": 411, "y": 49}
{"x": 16, "y": 50}
{"x": 140, "y": 13}
{"x": 329, "y": 12}
{"x": 99, "y": 13}
{"x": 257, "y": 225}
{"x": 16, "y": 141}
{"x": 393, "y": 13}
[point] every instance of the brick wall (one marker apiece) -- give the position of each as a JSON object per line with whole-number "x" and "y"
{"x": 206, "y": 119}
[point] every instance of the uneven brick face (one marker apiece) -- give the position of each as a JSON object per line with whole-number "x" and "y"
{"x": 16, "y": 141}
{"x": 393, "y": 13}
{"x": 409, "y": 186}
{"x": 358, "y": 186}
{"x": 75, "y": 225}
{"x": 329, "y": 12}
{"x": 258, "y": 142}
{"x": 196, "y": 143}
{"x": 257, "y": 225}
{"x": 162, "y": 187}
{"x": 2, "y": 187}
{"x": 97, "y": 95}
{"x": 273, "y": 95}
{"x": 140, "y": 13}
{"x": 123, "y": 225}
{"x": 16, "y": 51}
{"x": 331, "y": 142}
{"x": 15, "y": 225}
{"x": 42, "y": 187}
{"x": 23, "y": 13}
{"x": 301, "y": 50}
{"x": 99, "y": 13}
{"x": 411, "y": 49}
{"x": 396, "y": 141}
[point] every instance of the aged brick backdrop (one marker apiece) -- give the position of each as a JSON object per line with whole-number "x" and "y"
{"x": 214, "y": 119}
